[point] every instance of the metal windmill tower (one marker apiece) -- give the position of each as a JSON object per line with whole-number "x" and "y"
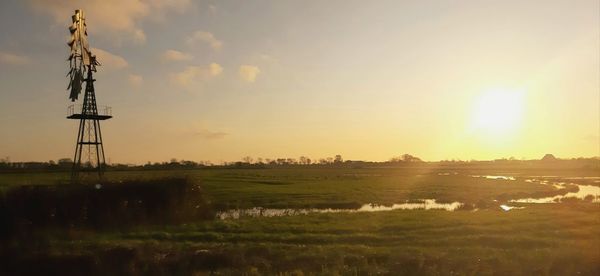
{"x": 89, "y": 151}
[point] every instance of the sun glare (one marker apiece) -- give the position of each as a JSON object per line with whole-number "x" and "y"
{"x": 498, "y": 112}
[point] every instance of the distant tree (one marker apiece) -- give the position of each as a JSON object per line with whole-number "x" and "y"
{"x": 405, "y": 158}
{"x": 291, "y": 161}
{"x": 549, "y": 157}
{"x": 395, "y": 159}
{"x": 338, "y": 159}
{"x": 189, "y": 164}
{"x": 205, "y": 163}
{"x": 303, "y": 160}
{"x": 409, "y": 158}
{"x": 247, "y": 160}
{"x": 65, "y": 162}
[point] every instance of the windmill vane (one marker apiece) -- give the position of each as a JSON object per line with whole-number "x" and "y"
{"x": 82, "y": 65}
{"x": 80, "y": 56}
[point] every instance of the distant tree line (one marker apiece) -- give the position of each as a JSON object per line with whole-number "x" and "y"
{"x": 302, "y": 160}
{"x": 65, "y": 164}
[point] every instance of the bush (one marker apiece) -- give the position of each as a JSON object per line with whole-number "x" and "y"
{"x": 102, "y": 205}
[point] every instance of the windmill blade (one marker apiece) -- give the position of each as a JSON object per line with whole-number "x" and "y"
{"x": 85, "y": 51}
{"x": 73, "y": 28}
{"x": 80, "y": 55}
{"x": 75, "y": 85}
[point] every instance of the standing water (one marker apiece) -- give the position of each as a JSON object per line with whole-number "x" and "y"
{"x": 425, "y": 204}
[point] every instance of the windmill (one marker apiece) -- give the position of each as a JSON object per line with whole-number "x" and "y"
{"x": 82, "y": 65}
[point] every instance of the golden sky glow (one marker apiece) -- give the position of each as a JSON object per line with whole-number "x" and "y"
{"x": 498, "y": 113}
{"x": 219, "y": 81}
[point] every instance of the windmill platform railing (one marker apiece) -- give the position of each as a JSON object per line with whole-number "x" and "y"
{"x": 75, "y": 111}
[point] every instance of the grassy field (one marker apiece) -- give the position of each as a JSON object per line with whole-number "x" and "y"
{"x": 331, "y": 186}
{"x": 542, "y": 239}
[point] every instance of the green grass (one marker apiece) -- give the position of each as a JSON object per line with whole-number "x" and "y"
{"x": 542, "y": 239}
{"x": 322, "y": 186}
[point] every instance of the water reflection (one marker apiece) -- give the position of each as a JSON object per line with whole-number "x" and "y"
{"x": 508, "y": 208}
{"x": 495, "y": 177}
{"x": 425, "y": 204}
{"x": 585, "y": 192}
{"x": 448, "y": 173}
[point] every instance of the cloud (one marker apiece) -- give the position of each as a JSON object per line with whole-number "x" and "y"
{"x": 206, "y": 37}
{"x": 136, "y": 80}
{"x": 193, "y": 74}
{"x": 268, "y": 59}
{"x": 108, "y": 60}
{"x": 173, "y": 55}
{"x": 111, "y": 17}
{"x": 14, "y": 59}
{"x": 212, "y": 9}
{"x": 179, "y": 6}
{"x": 139, "y": 36}
{"x": 249, "y": 73}
{"x": 210, "y": 135}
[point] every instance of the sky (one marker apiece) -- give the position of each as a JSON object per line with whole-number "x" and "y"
{"x": 220, "y": 80}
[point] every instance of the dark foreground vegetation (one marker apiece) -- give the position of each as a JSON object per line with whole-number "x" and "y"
{"x": 103, "y": 205}
{"x": 162, "y": 223}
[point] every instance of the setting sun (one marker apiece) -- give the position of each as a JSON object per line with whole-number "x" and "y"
{"x": 498, "y": 112}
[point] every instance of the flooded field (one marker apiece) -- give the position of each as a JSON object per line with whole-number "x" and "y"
{"x": 320, "y": 221}
{"x": 583, "y": 192}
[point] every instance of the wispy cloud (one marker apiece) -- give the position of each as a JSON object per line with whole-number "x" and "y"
{"x": 13, "y": 59}
{"x": 249, "y": 73}
{"x": 212, "y": 9}
{"x": 205, "y": 37}
{"x": 111, "y": 17}
{"x": 193, "y": 74}
{"x": 174, "y": 55}
{"x": 136, "y": 80}
{"x": 109, "y": 60}
{"x": 210, "y": 135}
{"x": 266, "y": 58}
